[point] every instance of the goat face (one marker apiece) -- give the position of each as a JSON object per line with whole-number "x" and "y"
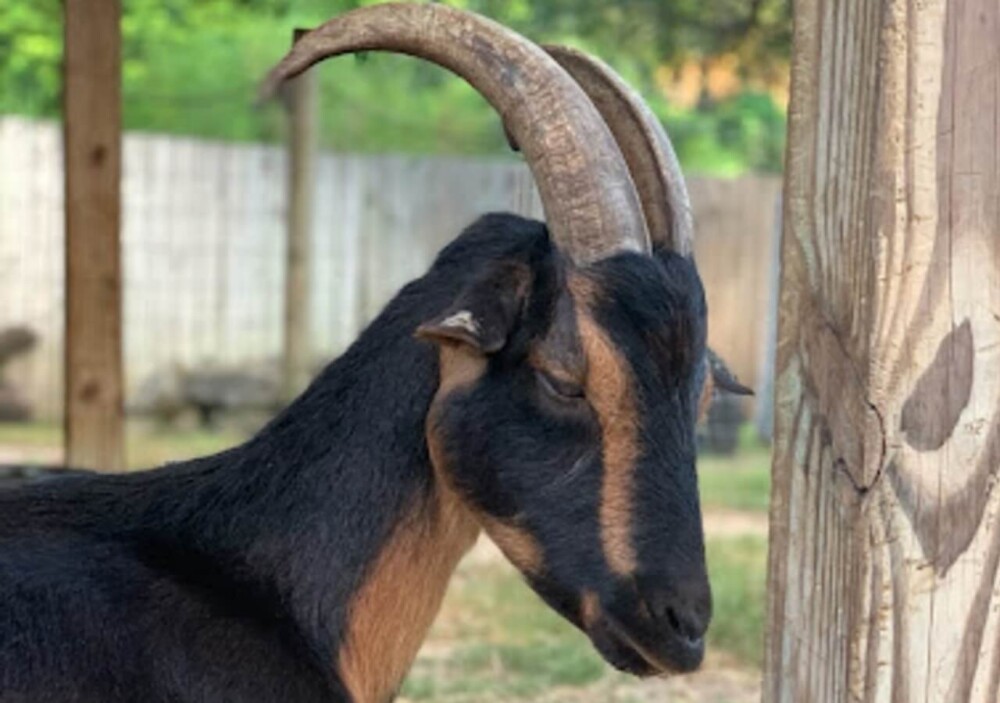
{"x": 565, "y": 421}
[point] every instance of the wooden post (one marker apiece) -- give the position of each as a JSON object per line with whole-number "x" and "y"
{"x": 885, "y": 518}
{"x": 303, "y": 105}
{"x": 92, "y": 159}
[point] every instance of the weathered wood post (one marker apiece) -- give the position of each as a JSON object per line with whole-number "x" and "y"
{"x": 92, "y": 158}
{"x": 885, "y": 520}
{"x": 302, "y": 105}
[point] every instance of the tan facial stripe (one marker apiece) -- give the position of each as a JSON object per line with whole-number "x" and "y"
{"x": 389, "y": 616}
{"x": 610, "y": 392}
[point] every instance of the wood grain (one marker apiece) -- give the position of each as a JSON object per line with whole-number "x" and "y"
{"x": 92, "y": 151}
{"x": 885, "y": 544}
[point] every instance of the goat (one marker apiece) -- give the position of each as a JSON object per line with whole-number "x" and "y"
{"x": 540, "y": 382}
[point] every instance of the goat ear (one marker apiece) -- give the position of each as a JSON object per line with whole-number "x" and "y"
{"x": 723, "y": 378}
{"x": 484, "y": 313}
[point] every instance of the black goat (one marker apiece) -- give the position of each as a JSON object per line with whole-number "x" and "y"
{"x": 549, "y": 396}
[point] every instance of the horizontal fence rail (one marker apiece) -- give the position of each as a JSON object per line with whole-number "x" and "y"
{"x": 203, "y": 247}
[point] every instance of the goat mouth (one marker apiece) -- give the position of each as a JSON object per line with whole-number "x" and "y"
{"x": 634, "y": 652}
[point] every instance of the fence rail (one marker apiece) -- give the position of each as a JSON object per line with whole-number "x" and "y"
{"x": 203, "y": 228}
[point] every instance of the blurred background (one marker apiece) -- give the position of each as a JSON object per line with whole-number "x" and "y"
{"x": 407, "y": 156}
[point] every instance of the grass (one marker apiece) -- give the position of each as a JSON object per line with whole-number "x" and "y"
{"x": 737, "y": 568}
{"x": 34, "y": 434}
{"x": 145, "y": 446}
{"x": 741, "y": 481}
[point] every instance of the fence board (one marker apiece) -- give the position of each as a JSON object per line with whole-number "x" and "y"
{"x": 884, "y": 577}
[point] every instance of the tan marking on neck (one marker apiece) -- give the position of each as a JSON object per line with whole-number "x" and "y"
{"x": 610, "y": 392}
{"x": 390, "y": 615}
{"x": 459, "y": 366}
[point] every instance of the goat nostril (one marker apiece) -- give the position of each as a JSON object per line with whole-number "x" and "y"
{"x": 686, "y": 624}
{"x": 686, "y": 620}
{"x": 673, "y": 621}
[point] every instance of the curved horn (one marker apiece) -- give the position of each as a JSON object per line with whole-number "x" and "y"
{"x": 644, "y": 144}
{"x": 589, "y": 199}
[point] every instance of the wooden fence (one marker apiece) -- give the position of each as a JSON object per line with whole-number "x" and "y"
{"x": 203, "y": 247}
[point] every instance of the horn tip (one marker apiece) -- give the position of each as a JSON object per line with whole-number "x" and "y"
{"x": 272, "y": 87}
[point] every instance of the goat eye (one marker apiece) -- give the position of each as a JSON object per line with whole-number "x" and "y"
{"x": 560, "y": 388}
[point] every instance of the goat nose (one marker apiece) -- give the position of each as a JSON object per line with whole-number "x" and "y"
{"x": 686, "y": 615}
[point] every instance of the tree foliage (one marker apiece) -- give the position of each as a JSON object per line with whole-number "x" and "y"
{"x": 192, "y": 67}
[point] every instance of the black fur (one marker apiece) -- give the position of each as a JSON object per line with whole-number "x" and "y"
{"x": 227, "y": 578}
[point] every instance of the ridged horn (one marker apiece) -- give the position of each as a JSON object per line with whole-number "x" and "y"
{"x": 644, "y": 144}
{"x": 590, "y": 202}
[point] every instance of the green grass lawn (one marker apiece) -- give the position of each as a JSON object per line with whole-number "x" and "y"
{"x": 34, "y": 434}
{"x": 737, "y": 568}
{"x": 145, "y": 446}
{"x": 741, "y": 481}
{"x": 738, "y": 482}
